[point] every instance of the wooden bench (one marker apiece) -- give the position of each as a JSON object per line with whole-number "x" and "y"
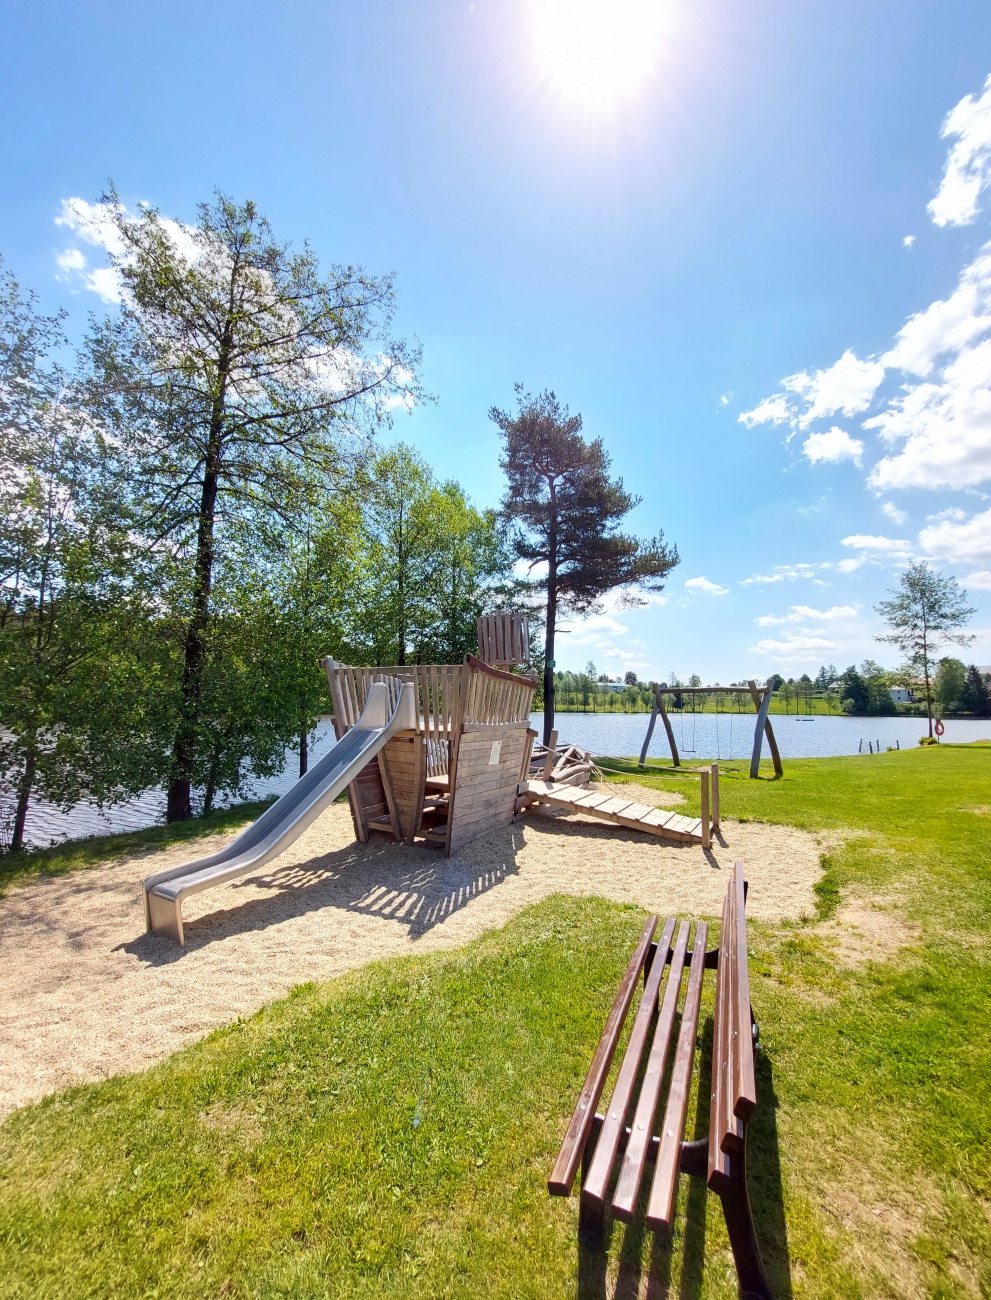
{"x": 613, "y": 1154}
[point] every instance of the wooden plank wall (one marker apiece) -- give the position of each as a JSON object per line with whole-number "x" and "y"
{"x": 404, "y": 761}
{"x": 503, "y": 639}
{"x": 490, "y": 759}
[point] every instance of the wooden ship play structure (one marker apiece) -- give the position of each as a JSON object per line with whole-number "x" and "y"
{"x": 437, "y": 754}
{"x": 471, "y": 764}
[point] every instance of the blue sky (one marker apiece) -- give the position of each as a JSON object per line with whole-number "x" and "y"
{"x": 731, "y": 236}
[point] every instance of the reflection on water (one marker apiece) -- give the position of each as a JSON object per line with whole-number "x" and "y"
{"x": 698, "y": 736}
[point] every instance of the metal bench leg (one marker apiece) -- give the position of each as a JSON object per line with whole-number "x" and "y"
{"x": 165, "y": 917}
{"x": 740, "y": 1226}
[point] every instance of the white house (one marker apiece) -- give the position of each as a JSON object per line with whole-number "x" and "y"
{"x": 901, "y": 694}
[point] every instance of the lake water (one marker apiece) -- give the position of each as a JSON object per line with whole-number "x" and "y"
{"x": 702, "y": 736}
{"x": 726, "y": 735}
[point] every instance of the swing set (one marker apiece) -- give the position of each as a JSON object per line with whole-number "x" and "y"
{"x": 761, "y": 696}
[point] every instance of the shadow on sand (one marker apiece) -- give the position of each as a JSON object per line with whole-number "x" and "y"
{"x": 412, "y": 886}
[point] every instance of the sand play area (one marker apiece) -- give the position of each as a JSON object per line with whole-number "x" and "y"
{"x": 87, "y": 994}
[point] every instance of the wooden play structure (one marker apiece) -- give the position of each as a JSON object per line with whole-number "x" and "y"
{"x": 454, "y": 775}
{"x": 469, "y": 765}
{"x": 634, "y": 816}
{"x": 761, "y": 696}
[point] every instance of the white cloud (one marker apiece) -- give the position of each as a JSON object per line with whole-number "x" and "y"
{"x": 968, "y": 167}
{"x": 772, "y": 410}
{"x": 724, "y": 399}
{"x": 783, "y": 573}
{"x": 590, "y": 629}
{"x": 944, "y": 428}
{"x": 846, "y": 387}
{"x": 832, "y": 446}
{"x": 908, "y": 241}
{"x": 806, "y": 614}
{"x": 980, "y": 581}
{"x": 947, "y": 325}
{"x": 799, "y": 647}
{"x": 896, "y": 516}
{"x": 92, "y": 223}
{"x": 878, "y": 546}
{"x": 953, "y": 513}
{"x": 705, "y": 586}
{"x": 848, "y": 566}
{"x": 71, "y": 259}
{"x": 959, "y": 542}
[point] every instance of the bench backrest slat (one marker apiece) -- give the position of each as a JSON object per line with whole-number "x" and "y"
{"x": 570, "y": 1155}
{"x": 734, "y": 1093}
{"x": 745, "y": 1084}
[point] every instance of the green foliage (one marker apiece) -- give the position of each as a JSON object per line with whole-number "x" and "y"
{"x": 975, "y": 697}
{"x": 67, "y": 589}
{"x": 951, "y": 676}
{"x": 432, "y": 564}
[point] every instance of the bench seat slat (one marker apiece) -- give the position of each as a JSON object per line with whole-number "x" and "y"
{"x": 642, "y": 1125}
{"x": 566, "y": 1166}
{"x": 614, "y": 1124}
{"x": 660, "y": 1207}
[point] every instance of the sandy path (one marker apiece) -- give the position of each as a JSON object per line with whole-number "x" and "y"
{"x": 87, "y": 994}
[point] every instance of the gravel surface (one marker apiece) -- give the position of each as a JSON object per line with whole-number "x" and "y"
{"x": 87, "y": 994}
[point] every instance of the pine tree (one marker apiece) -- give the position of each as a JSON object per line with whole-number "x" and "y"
{"x": 975, "y": 697}
{"x": 564, "y": 513}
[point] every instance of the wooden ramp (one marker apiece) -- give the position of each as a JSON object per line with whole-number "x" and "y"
{"x": 615, "y": 809}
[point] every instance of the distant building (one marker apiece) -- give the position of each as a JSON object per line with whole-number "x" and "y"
{"x": 901, "y": 695}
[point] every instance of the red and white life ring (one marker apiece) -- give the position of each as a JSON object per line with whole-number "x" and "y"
{"x": 939, "y": 728}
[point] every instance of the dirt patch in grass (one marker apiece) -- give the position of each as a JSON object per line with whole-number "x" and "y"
{"x": 235, "y": 1120}
{"x": 867, "y": 929}
{"x": 87, "y": 994}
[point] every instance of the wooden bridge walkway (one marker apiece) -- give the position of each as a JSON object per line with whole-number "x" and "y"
{"x": 615, "y": 809}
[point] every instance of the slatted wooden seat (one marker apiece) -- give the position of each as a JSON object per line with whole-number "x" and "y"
{"x": 614, "y": 1146}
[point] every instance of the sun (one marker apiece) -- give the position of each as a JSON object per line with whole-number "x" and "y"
{"x": 598, "y": 53}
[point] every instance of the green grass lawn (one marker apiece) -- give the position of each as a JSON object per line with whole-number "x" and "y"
{"x": 390, "y": 1133}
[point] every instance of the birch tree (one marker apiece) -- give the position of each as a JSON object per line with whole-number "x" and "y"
{"x": 234, "y": 370}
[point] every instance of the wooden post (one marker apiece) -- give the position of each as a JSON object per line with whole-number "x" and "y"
{"x": 676, "y": 762}
{"x": 706, "y": 834}
{"x": 551, "y": 758}
{"x": 714, "y": 769}
{"x": 762, "y": 699}
{"x": 660, "y": 709}
{"x": 650, "y": 732}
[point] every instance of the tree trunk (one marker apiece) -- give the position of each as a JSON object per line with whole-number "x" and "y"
{"x": 211, "y": 787}
{"x": 549, "y": 659}
{"x": 179, "y": 804}
{"x": 24, "y": 788}
{"x": 304, "y": 750}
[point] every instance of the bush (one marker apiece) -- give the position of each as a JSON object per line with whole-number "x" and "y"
{"x": 928, "y": 740}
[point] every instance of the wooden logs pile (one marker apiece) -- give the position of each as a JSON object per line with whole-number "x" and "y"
{"x": 561, "y": 764}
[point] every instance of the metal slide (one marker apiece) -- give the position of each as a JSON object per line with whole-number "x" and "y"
{"x": 390, "y": 707}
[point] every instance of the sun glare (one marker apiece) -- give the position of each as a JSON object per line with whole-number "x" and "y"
{"x": 597, "y": 53}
